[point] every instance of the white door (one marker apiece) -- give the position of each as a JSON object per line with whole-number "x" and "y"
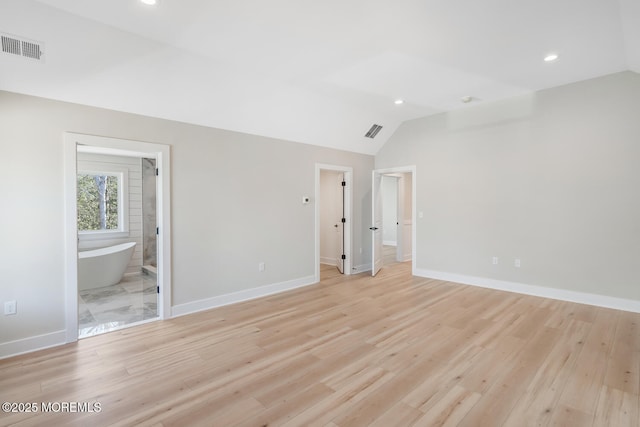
{"x": 376, "y": 220}
{"x": 339, "y": 215}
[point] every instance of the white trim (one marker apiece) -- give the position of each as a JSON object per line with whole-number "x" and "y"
{"x": 539, "y": 291}
{"x": 244, "y": 295}
{"x": 348, "y": 229}
{"x": 104, "y": 145}
{"x": 389, "y": 243}
{"x": 90, "y": 149}
{"x": 414, "y": 179}
{"x": 27, "y": 345}
{"x": 328, "y": 261}
{"x": 71, "y": 239}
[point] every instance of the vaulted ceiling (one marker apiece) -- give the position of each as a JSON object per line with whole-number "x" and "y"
{"x": 316, "y": 72}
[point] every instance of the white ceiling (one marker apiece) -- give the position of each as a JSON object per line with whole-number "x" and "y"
{"x": 316, "y": 72}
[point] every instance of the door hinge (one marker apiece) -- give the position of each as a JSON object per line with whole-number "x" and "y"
{"x": 158, "y": 289}
{"x": 344, "y": 220}
{"x": 157, "y": 171}
{"x": 344, "y": 184}
{"x": 157, "y": 231}
{"x": 344, "y": 256}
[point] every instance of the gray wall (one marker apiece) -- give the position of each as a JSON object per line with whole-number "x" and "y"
{"x": 236, "y": 201}
{"x": 552, "y": 179}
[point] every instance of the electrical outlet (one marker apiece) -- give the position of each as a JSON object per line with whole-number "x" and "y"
{"x": 516, "y": 263}
{"x": 261, "y": 266}
{"x": 494, "y": 260}
{"x": 10, "y": 307}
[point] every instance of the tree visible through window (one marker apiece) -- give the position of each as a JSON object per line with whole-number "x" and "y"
{"x": 97, "y": 202}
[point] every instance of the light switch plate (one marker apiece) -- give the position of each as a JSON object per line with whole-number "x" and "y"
{"x": 10, "y": 307}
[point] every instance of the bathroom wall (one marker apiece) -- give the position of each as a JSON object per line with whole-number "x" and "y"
{"x": 89, "y": 161}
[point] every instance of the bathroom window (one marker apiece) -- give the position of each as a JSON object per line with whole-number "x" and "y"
{"x": 102, "y": 198}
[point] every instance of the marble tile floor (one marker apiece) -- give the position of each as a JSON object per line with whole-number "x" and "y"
{"x": 105, "y": 309}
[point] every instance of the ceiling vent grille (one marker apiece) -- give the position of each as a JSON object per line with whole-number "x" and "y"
{"x": 373, "y": 131}
{"x": 22, "y": 47}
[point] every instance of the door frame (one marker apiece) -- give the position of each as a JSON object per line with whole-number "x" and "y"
{"x": 348, "y": 229}
{"x": 402, "y": 169}
{"x": 129, "y": 148}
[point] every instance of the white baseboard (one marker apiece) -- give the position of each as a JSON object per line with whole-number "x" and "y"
{"x": 360, "y": 268}
{"x": 244, "y": 295}
{"x": 27, "y": 345}
{"x": 389, "y": 243}
{"x": 539, "y": 291}
{"x": 407, "y": 257}
{"x": 327, "y": 260}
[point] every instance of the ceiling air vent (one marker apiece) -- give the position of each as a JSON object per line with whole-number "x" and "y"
{"x": 22, "y": 47}
{"x": 373, "y": 131}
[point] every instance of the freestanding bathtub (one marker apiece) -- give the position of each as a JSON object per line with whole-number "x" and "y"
{"x": 104, "y": 266}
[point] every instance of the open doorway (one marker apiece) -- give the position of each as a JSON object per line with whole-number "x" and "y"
{"x": 396, "y": 217}
{"x": 390, "y": 219}
{"x": 333, "y": 220}
{"x": 331, "y": 214}
{"x": 117, "y": 240}
{"x": 111, "y": 281}
{"x": 393, "y": 217}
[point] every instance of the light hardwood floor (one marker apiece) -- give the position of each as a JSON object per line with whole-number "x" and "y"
{"x": 393, "y": 350}
{"x": 389, "y": 255}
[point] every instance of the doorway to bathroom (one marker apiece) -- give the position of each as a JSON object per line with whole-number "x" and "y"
{"x": 116, "y": 220}
{"x": 117, "y": 203}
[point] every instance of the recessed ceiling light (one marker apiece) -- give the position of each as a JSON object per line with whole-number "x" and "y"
{"x": 551, "y": 57}
{"x": 398, "y": 101}
{"x": 149, "y": 2}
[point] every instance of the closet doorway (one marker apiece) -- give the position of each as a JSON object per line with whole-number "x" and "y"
{"x": 333, "y": 219}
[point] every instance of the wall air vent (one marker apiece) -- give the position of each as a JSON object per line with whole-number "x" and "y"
{"x": 20, "y": 46}
{"x": 373, "y": 131}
